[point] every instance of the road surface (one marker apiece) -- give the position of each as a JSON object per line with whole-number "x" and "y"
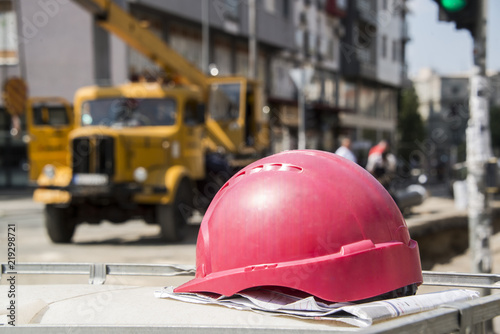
{"x": 130, "y": 242}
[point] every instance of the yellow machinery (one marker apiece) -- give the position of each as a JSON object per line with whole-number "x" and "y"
{"x": 140, "y": 150}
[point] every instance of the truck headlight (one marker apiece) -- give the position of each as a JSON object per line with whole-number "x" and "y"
{"x": 140, "y": 174}
{"x": 49, "y": 171}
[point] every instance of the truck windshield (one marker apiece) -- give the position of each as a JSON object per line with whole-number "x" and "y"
{"x": 50, "y": 115}
{"x": 129, "y": 112}
{"x": 225, "y": 101}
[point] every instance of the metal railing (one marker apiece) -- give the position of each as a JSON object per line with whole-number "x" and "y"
{"x": 461, "y": 317}
{"x": 97, "y": 273}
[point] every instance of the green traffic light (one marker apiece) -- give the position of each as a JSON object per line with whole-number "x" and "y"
{"x": 453, "y": 5}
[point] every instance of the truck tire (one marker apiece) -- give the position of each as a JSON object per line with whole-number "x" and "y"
{"x": 172, "y": 218}
{"x": 59, "y": 224}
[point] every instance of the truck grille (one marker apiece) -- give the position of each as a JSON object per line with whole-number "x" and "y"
{"x": 93, "y": 155}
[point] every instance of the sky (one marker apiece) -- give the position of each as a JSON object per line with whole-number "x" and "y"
{"x": 440, "y": 46}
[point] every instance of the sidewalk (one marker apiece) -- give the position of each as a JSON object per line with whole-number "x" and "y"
{"x": 438, "y": 212}
{"x": 442, "y": 233}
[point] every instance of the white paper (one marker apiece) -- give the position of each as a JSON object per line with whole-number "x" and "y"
{"x": 360, "y": 315}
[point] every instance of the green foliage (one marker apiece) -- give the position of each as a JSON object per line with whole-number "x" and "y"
{"x": 495, "y": 130}
{"x": 411, "y": 127}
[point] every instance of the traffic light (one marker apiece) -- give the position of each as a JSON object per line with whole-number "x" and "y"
{"x": 463, "y": 12}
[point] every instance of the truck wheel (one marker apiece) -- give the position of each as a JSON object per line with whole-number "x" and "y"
{"x": 60, "y": 227}
{"x": 172, "y": 218}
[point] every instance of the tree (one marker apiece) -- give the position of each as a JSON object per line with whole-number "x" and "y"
{"x": 411, "y": 128}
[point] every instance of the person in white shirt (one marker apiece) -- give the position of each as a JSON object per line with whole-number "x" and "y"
{"x": 345, "y": 150}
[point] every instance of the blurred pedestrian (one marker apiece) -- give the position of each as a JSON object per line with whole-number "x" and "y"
{"x": 379, "y": 148}
{"x": 382, "y": 163}
{"x": 345, "y": 150}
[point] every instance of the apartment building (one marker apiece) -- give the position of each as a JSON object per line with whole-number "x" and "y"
{"x": 317, "y": 31}
{"x": 56, "y": 47}
{"x": 50, "y": 45}
{"x": 444, "y": 106}
{"x": 373, "y": 70}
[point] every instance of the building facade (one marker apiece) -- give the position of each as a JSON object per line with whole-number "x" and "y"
{"x": 317, "y": 32}
{"x": 356, "y": 49}
{"x": 373, "y": 71}
{"x": 444, "y": 107}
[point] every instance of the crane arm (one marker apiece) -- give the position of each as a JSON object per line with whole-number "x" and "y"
{"x": 114, "y": 19}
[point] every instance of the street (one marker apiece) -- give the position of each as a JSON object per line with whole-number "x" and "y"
{"x": 130, "y": 242}
{"x": 135, "y": 242}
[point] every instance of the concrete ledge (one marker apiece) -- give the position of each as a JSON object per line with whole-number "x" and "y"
{"x": 442, "y": 231}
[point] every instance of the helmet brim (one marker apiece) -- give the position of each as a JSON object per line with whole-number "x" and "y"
{"x": 372, "y": 269}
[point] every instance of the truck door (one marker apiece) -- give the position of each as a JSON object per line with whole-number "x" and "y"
{"x": 226, "y": 113}
{"x": 48, "y": 121}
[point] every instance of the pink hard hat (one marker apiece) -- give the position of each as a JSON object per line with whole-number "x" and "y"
{"x": 306, "y": 220}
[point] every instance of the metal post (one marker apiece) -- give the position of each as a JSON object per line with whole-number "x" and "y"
{"x": 301, "y": 78}
{"x": 205, "y": 21}
{"x": 302, "y": 113}
{"x": 252, "y": 39}
{"x": 102, "y": 52}
{"x": 478, "y": 153}
{"x": 8, "y": 137}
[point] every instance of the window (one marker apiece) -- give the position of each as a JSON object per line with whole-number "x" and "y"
{"x": 397, "y": 6}
{"x": 223, "y": 55}
{"x": 50, "y": 115}
{"x": 270, "y": 6}
{"x": 367, "y": 100}
{"x": 232, "y": 9}
{"x": 307, "y": 43}
{"x": 341, "y": 4}
{"x": 225, "y": 101}
{"x": 384, "y": 46}
{"x": 8, "y": 33}
{"x": 394, "y": 50}
{"x": 191, "y": 113}
{"x": 331, "y": 49}
{"x": 386, "y": 104}
{"x": 188, "y": 42}
{"x": 286, "y": 8}
{"x": 129, "y": 112}
{"x": 347, "y": 94}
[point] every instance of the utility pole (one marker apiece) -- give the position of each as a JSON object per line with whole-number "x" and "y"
{"x": 205, "y": 22}
{"x": 252, "y": 39}
{"x": 472, "y": 15}
{"x": 301, "y": 77}
{"x": 479, "y": 152}
{"x": 301, "y": 145}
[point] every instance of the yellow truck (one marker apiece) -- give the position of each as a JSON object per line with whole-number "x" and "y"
{"x": 155, "y": 151}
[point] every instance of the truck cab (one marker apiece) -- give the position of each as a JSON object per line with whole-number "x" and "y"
{"x": 143, "y": 150}
{"x": 140, "y": 150}
{"x": 134, "y": 150}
